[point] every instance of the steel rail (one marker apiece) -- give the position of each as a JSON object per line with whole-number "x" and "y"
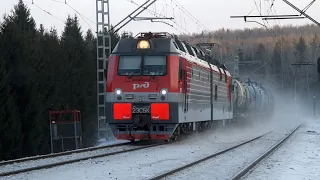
{"x": 204, "y": 159}
{"x": 244, "y": 171}
{"x": 2, "y": 163}
{"x": 75, "y": 160}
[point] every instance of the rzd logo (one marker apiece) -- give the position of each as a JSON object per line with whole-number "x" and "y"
{"x": 137, "y": 86}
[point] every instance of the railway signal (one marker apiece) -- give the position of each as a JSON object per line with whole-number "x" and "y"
{"x": 65, "y": 130}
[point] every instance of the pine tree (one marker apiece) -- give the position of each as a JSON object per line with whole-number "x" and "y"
{"x": 300, "y": 49}
{"x": 22, "y": 49}
{"x": 260, "y": 53}
{"x": 314, "y": 45}
{"x": 240, "y": 55}
{"x": 276, "y": 57}
{"x": 73, "y": 51}
{"x": 89, "y": 115}
{"x": 10, "y": 126}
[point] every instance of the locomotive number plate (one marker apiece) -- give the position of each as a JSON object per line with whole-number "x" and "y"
{"x": 141, "y": 109}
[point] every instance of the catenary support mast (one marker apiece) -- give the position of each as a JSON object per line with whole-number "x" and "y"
{"x": 103, "y": 51}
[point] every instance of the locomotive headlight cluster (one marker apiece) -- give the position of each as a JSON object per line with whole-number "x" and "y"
{"x": 163, "y": 94}
{"x": 143, "y": 44}
{"x": 163, "y": 91}
{"x": 118, "y": 94}
{"x": 118, "y": 91}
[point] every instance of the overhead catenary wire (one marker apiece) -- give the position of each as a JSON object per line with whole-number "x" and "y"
{"x": 80, "y": 14}
{"x": 289, "y": 46}
{"x": 308, "y": 6}
{"x": 195, "y": 20}
{"x": 47, "y": 12}
{"x": 282, "y": 39}
{"x": 33, "y": 2}
{"x": 156, "y": 14}
{"x": 307, "y": 61}
{"x": 186, "y": 12}
{"x": 271, "y": 32}
{"x": 268, "y": 30}
{"x": 173, "y": 20}
{"x": 302, "y": 12}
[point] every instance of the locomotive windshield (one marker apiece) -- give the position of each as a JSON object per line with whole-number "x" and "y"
{"x": 154, "y": 65}
{"x": 142, "y": 65}
{"x": 130, "y": 65}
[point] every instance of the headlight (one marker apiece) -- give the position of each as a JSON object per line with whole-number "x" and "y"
{"x": 164, "y": 94}
{"x": 163, "y": 91}
{"x": 118, "y": 91}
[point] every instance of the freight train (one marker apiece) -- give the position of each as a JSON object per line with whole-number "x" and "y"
{"x": 159, "y": 87}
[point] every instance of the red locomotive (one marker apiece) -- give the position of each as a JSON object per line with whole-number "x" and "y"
{"x": 159, "y": 87}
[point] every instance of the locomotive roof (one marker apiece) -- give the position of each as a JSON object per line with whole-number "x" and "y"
{"x": 163, "y": 42}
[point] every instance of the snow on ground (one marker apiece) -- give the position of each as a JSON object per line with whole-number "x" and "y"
{"x": 105, "y": 142}
{"x": 226, "y": 165}
{"x": 146, "y": 163}
{"x": 298, "y": 158}
{"x": 39, "y": 162}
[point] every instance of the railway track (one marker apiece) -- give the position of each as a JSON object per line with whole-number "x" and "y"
{"x": 2, "y": 163}
{"x": 245, "y": 170}
{"x": 237, "y": 175}
{"x": 50, "y": 157}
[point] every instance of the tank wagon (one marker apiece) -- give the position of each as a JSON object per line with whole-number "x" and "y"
{"x": 251, "y": 100}
{"x": 159, "y": 87}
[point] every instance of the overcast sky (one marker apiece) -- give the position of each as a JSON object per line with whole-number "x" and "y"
{"x": 213, "y": 14}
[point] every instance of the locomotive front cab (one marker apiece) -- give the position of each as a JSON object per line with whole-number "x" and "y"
{"x": 141, "y": 88}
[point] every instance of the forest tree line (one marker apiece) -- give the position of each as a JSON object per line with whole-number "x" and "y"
{"x": 272, "y": 55}
{"x": 41, "y": 71}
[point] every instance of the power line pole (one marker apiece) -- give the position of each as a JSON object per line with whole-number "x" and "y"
{"x": 299, "y": 64}
{"x": 236, "y": 67}
{"x": 308, "y": 85}
{"x": 302, "y": 12}
{"x": 103, "y": 52}
{"x": 295, "y": 86}
{"x": 281, "y": 54}
{"x": 314, "y": 106}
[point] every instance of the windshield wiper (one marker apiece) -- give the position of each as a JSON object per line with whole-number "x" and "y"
{"x": 133, "y": 73}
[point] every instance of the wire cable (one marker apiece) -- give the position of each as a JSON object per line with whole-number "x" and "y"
{"x": 47, "y": 12}
{"x": 80, "y": 14}
{"x": 162, "y": 16}
{"x": 189, "y": 14}
{"x": 308, "y": 6}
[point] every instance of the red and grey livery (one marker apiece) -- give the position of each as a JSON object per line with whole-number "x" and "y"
{"x": 159, "y": 87}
